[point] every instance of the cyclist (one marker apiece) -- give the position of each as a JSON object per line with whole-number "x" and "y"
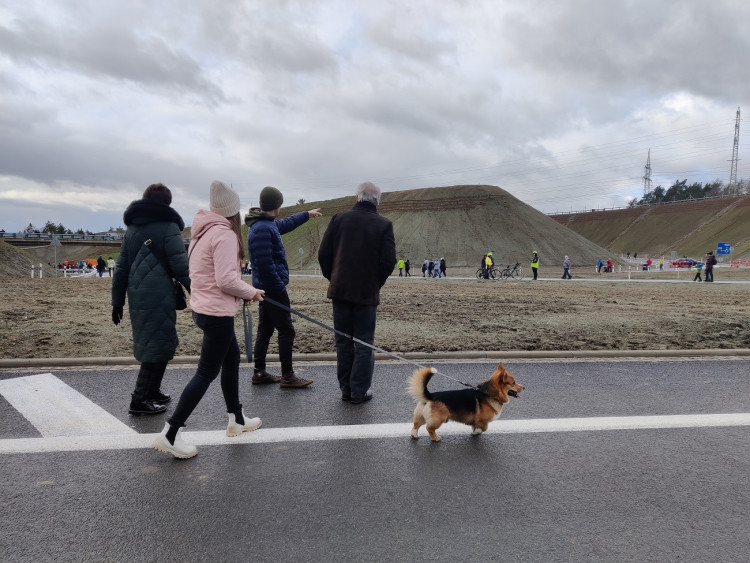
{"x": 488, "y": 263}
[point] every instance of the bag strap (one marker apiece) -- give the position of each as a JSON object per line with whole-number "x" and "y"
{"x": 160, "y": 257}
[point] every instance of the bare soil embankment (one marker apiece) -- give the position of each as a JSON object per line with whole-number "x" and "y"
{"x": 71, "y": 318}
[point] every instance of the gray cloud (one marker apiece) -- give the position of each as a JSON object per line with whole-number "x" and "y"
{"x": 556, "y": 102}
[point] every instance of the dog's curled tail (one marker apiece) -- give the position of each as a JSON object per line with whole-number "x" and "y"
{"x": 418, "y": 384}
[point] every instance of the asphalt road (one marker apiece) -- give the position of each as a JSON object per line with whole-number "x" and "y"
{"x": 557, "y": 493}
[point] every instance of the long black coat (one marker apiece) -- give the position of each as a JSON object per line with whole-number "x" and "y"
{"x": 150, "y": 292}
{"x": 357, "y": 254}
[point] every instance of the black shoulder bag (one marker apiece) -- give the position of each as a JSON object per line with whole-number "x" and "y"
{"x": 180, "y": 302}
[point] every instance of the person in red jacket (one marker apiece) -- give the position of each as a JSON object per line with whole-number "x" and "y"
{"x": 357, "y": 254}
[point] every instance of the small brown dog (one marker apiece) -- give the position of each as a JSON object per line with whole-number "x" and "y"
{"x": 475, "y": 407}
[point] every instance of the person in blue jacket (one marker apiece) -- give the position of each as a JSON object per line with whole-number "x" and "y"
{"x": 271, "y": 274}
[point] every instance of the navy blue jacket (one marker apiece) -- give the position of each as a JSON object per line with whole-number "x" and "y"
{"x": 267, "y": 256}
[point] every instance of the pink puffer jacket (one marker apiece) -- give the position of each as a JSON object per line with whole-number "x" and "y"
{"x": 216, "y": 287}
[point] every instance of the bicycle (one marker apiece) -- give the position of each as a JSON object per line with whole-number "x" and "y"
{"x": 514, "y": 272}
{"x": 493, "y": 273}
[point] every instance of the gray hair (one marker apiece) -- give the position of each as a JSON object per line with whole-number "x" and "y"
{"x": 367, "y": 191}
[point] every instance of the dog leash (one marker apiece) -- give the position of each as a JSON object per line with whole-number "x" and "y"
{"x": 359, "y": 341}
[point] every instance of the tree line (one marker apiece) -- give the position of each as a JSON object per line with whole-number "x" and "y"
{"x": 681, "y": 191}
{"x": 57, "y": 229}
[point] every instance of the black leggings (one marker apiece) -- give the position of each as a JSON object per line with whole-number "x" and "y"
{"x": 219, "y": 353}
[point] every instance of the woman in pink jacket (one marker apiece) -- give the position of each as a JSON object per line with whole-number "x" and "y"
{"x": 217, "y": 289}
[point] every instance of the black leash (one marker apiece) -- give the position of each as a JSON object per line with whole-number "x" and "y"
{"x": 359, "y": 341}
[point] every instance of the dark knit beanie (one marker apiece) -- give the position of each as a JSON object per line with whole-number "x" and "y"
{"x": 270, "y": 199}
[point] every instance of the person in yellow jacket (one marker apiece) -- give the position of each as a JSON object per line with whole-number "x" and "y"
{"x": 535, "y": 263}
{"x": 401, "y": 267}
{"x": 488, "y": 263}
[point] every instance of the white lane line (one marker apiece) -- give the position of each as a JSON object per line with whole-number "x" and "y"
{"x": 56, "y": 409}
{"x": 369, "y": 431}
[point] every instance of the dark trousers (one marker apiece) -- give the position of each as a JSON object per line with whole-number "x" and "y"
{"x": 354, "y": 361}
{"x": 698, "y": 276}
{"x": 534, "y": 270}
{"x": 219, "y": 353}
{"x": 270, "y": 318}
{"x": 709, "y": 273}
{"x": 149, "y": 380}
{"x": 566, "y": 273}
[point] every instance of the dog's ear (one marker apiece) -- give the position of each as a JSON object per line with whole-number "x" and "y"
{"x": 500, "y": 367}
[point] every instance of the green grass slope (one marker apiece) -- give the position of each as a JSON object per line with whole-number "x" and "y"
{"x": 460, "y": 223}
{"x": 688, "y": 228}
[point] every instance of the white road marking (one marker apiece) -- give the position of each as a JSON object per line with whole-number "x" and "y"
{"x": 369, "y": 431}
{"x": 56, "y": 409}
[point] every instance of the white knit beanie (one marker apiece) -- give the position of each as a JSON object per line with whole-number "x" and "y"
{"x": 224, "y": 200}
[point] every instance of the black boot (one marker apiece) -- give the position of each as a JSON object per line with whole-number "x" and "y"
{"x": 155, "y": 373}
{"x": 160, "y": 398}
{"x": 141, "y": 402}
{"x": 139, "y": 406}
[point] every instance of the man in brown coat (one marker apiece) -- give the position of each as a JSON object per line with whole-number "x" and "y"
{"x": 357, "y": 254}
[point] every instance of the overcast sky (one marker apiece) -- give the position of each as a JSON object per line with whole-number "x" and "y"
{"x": 557, "y": 102}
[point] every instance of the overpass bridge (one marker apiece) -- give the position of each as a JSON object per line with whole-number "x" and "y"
{"x": 41, "y": 239}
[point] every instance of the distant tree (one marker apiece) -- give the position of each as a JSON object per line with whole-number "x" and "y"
{"x": 300, "y": 201}
{"x": 59, "y": 229}
{"x": 715, "y": 188}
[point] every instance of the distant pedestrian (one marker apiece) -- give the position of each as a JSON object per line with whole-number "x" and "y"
{"x": 442, "y": 267}
{"x": 100, "y": 266}
{"x": 436, "y": 269}
{"x": 489, "y": 262}
{"x": 400, "y": 267}
{"x": 110, "y": 266}
{"x": 425, "y": 266}
{"x": 407, "y": 266}
{"x": 566, "y": 269}
{"x": 535, "y": 263}
{"x": 698, "y": 267}
{"x": 710, "y": 263}
{"x": 357, "y": 254}
{"x": 430, "y": 268}
{"x": 599, "y": 266}
{"x": 609, "y": 265}
{"x": 661, "y": 264}
{"x": 216, "y": 253}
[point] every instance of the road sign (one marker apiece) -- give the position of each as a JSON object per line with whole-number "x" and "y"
{"x": 723, "y": 248}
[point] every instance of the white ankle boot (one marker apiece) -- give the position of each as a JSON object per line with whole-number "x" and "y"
{"x": 235, "y": 429}
{"x": 179, "y": 449}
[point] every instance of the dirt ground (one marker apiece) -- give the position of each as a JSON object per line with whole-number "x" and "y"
{"x": 71, "y": 318}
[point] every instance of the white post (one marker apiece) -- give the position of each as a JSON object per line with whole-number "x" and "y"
{"x": 628, "y": 273}
{"x": 32, "y": 271}
{"x": 40, "y": 270}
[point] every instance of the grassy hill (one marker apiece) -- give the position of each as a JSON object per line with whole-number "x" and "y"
{"x": 688, "y": 228}
{"x": 16, "y": 262}
{"x": 460, "y": 223}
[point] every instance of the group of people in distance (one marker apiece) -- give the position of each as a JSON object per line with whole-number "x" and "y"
{"x": 434, "y": 268}
{"x": 153, "y": 255}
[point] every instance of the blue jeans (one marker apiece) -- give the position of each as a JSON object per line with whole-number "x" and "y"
{"x": 355, "y": 362}
{"x": 219, "y": 353}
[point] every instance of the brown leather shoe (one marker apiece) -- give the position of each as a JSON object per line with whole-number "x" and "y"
{"x": 291, "y": 380}
{"x": 261, "y": 376}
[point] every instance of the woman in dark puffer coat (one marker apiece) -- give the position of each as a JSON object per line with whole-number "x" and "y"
{"x": 150, "y": 292}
